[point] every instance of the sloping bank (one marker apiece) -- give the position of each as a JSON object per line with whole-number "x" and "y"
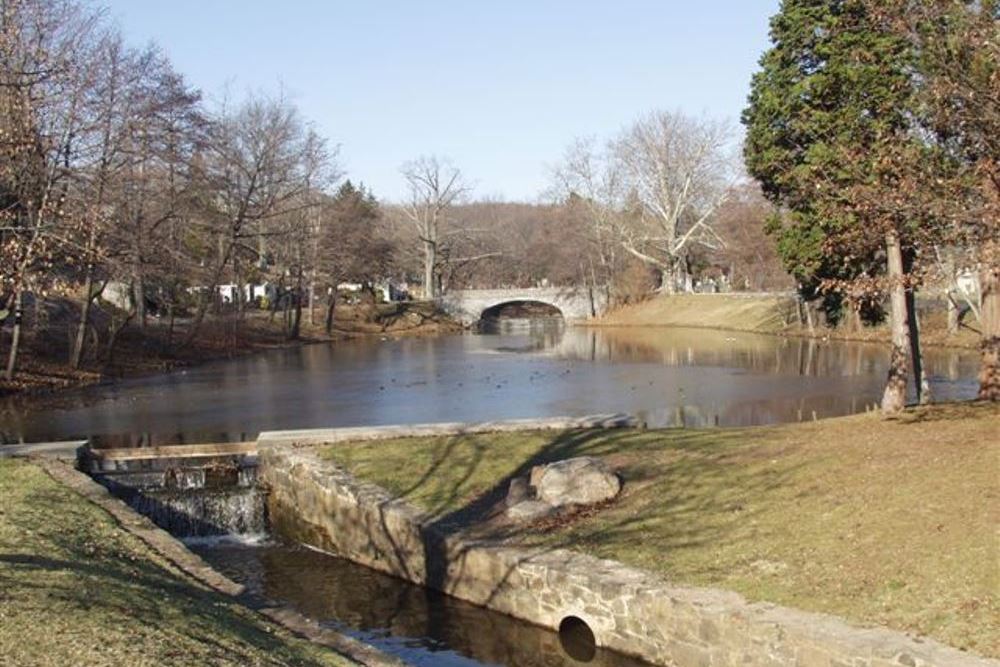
{"x": 86, "y": 581}
{"x": 773, "y": 314}
{"x": 452, "y": 471}
{"x": 763, "y": 313}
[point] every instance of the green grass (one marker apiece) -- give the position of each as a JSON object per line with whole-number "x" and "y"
{"x": 76, "y": 589}
{"x": 887, "y": 522}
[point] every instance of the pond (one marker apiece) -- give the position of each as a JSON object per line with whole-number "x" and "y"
{"x": 529, "y": 368}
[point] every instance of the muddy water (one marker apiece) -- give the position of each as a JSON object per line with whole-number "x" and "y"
{"x": 421, "y": 626}
{"x": 667, "y": 376}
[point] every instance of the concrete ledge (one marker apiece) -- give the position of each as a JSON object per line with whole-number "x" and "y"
{"x": 174, "y": 451}
{"x": 349, "y": 434}
{"x": 67, "y": 450}
{"x": 631, "y": 611}
{"x": 179, "y": 556}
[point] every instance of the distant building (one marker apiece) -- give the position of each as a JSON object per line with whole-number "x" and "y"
{"x": 968, "y": 282}
{"x": 251, "y": 293}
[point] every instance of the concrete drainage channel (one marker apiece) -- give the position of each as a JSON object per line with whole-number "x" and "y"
{"x": 596, "y": 612}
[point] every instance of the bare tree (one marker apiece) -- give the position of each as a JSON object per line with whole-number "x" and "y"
{"x": 43, "y": 81}
{"x": 680, "y": 169}
{"x": 262, "y": 166}
{"x": 592, "y": 184}
{"x": 435, "y": 186}
{"x": 749, "y": 257}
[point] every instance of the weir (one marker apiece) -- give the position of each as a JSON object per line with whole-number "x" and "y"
{"x": 188, "y": 490}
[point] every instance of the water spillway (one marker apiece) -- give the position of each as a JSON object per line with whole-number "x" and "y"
{"x": 188, "y": 490}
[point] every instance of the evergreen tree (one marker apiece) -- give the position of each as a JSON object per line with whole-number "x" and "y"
{"x": 829, "y": 132}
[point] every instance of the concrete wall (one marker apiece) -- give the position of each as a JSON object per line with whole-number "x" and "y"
{"x": 630, "y": 611}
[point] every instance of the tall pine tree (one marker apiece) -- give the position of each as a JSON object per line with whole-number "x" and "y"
{"x": 828, "y": 126}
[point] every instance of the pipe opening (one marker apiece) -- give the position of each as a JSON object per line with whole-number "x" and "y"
{"x": 577, "y": 639}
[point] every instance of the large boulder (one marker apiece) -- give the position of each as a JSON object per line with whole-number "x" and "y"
{"x": 583, "y": 480}
{"x": 550, "y": 488}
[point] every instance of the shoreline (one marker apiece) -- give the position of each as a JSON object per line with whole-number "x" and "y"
{"x": 43, "y": 377}
{"x": 768, "y": 314}
{"x": 831, "y": 335}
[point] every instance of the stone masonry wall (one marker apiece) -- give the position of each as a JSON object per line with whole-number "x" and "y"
{"x": 630, "y": 611}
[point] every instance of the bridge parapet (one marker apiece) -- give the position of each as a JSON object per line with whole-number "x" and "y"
{"x": 575, "y": 303}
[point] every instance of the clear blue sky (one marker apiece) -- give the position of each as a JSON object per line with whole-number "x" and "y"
{"x": 500, "y": 86}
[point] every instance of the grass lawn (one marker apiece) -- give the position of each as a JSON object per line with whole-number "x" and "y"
{"x": 76, "y": 589}
{"x": 888, "y": 522}
{"x": 722, "y": 311}
{"x": 768, "y": 314}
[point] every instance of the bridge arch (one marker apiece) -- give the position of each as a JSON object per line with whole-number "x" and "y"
{"x": 518, "y": 308}
{"x": 574, "y": 304}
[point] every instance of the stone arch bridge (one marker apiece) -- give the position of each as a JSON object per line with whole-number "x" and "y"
{"x": 575, "y": 303}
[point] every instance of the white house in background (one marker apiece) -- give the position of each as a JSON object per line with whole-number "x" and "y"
{"x": 251, "y": 293}
{"x": 967, "y": 281}
{"x": 389, "y": 290}
{"x": 118, "y": 294}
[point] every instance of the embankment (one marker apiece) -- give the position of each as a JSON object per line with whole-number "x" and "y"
{"x": 774, "y": 314}
{"x": 631, "y": 610}
{"x": 762, "y": 313}
{"x": 86, "y": 581}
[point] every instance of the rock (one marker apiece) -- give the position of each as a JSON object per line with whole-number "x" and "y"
{"x": 530, "y": 510}
{"x": 579, "y": 481}
{"x": 518, "y": 491}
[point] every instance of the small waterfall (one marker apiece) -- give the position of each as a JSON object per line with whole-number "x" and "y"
{"x": 204, "y": 512}
{"x": 215, "y": 498}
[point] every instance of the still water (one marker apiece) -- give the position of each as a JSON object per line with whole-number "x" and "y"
{"x": 419, "y": 625}
{"x": 666, "y": 376}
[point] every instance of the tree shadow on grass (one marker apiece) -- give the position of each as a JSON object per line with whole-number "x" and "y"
{"x": 683, "y": 489}
{"x": 60, "y": 555}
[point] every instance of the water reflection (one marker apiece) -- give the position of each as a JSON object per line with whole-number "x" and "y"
{"x": 421, "y": 626}
{"x": 667, "y": 376}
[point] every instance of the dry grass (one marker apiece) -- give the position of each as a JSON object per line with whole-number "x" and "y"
{"x": 888, "y": 522}
{"x": 76, "y": 589}
{"x": 770, "y": 314}
{"x": 766, "y": 314}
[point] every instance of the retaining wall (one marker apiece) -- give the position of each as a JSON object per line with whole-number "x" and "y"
{"x": 315, "y": 502}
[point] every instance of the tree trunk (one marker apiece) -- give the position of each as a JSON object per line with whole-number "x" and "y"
{"x": 81, "y": 330}
{"x": 15, "y": 341}
{"x": 894, "y": 397}
{"x": 238, "y": 294}
{"x": 139, "y": 294}
{"x": 312, "y": 298}
{"x": 919, "y": 373}
{"x": 297, "y": 313}
{"x": 430, "y": 260}
{"x": 668, "y": 277}
{"x": 208, "y": 297}
{"x": 113, "y": 337}
{"x": 330, "y": 307}
{"x": 954, "y": 313}
{"x": 989, "y": 369}
{"x": 171, "y": 320}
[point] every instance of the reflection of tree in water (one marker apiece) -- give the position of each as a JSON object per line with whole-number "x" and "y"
{"x": 375, "y": 607}
{"x": 761, "y": 353}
